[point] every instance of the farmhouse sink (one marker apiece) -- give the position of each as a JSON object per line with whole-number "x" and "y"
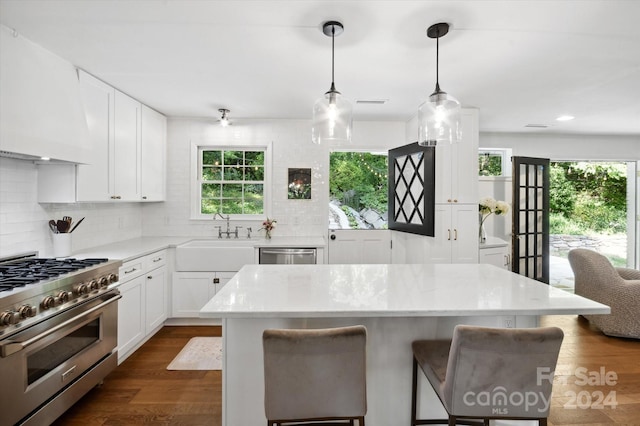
{"x": 215, "y": 255}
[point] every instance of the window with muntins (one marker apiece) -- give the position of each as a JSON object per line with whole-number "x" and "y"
{"x": 231, "y": 181}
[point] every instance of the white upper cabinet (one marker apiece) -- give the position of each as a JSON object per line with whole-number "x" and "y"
{"x": 127, "y": 147}
{"x": 154, "y": 147}
{"x": 457, "y": 165}
{"x": 41, "y": 109}
{"x": 94, "y": 181}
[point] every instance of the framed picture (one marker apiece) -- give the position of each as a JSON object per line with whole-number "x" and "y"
{"x": 299, "y": 184}
{"x": 412, "y": 175}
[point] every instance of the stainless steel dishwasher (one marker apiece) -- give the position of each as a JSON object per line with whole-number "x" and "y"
{"x": 287, "y": 256}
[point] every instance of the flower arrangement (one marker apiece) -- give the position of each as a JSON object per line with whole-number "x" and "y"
{"x": 268, "y": 226}
{"x": 487, "y": 207}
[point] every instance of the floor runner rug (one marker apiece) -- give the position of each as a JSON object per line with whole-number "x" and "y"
{"x": 200, "y": 353}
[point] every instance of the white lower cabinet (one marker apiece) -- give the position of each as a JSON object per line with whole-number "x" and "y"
{"x": 495, "y": 254}
{"x": 456, "y": 234}
{"x": 192, "y": 290}
{"x": 156, "y": 298}
{"x": 131, "y": 328}
{"x": 143, "y": 307}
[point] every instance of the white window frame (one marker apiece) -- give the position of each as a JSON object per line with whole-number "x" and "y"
{"x": 196, "y": 181}
{"x": 505, "y": 154}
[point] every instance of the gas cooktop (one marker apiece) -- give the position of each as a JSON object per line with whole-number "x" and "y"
{"x": 19, "y": 273}
{"x": 33, "y": 288}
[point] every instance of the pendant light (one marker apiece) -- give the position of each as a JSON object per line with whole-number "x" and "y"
{"x": 332, "y": 114}
{"x": 439, "y": 116}
{"x": 224, "y": 118}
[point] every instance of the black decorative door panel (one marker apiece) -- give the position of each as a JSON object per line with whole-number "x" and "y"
{"x": 412, "y": 189}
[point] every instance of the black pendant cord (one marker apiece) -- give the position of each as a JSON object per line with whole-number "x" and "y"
{"x": 333, "y": 39}
{"x": 438, "y": 64}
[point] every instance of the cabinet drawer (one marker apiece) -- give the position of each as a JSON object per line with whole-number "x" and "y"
{"x": 155, "y": 260}
{"x": 132, "y": 269}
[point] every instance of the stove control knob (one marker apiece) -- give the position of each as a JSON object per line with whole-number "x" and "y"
{"x": 80, "y": 289}
{"x": 27, "y": 311}
{"x": 113, "y": 278}
{"x": 62, "y": 297}
{"x": 104, "y": 281}
{"x": 9, "y": 318}
{"x": 93, "y": 285}
{"x": 48, "y": 302}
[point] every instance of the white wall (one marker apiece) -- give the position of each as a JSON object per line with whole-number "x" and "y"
{"x": 565, "y": 147}
{"x": 292, "y": 148}
{"x": 24, "y": 222}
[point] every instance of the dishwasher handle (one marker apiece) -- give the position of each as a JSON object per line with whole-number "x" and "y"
{"x": 288, "y": 251}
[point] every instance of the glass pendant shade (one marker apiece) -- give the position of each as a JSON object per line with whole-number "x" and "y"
{"x": 439, "y": 120}
{"x": 332, "y": 119}
{"x": 439, "y": 116}
{"x": 332, "y": 114}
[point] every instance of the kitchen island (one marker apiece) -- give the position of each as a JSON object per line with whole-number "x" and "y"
{"x": 397, "y": 304}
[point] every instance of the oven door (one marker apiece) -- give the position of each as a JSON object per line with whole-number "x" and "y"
{"x": 40, "y": 361}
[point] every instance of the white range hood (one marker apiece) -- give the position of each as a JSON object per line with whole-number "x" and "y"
{"x": 41, "y": 111}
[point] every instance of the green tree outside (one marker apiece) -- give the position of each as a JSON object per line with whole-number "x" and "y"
{"x": 588, "y": 198}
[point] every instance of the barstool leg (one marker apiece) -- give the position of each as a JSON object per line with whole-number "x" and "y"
{"x": 414, "y": 390}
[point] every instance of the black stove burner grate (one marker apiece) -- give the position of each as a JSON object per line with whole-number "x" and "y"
{"x": 30, "y": 271}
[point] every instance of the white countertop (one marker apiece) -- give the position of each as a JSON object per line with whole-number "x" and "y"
{"x": 130, "y": 249}
{"x": 493, "y": 242}
{"x": 312, "y": 291}
{"x": 136, "y": 247}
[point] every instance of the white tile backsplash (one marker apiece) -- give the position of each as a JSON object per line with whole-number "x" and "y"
{"x": 24, "y": 222}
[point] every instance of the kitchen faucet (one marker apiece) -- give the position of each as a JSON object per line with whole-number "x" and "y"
{"x": 220, "y": 231}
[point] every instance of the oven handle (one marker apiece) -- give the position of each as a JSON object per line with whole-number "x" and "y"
{"x": 10, "y": 348}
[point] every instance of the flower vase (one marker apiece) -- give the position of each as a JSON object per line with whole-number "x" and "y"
{"x": 267, "y": 234}
{"x": 482, "y": 235}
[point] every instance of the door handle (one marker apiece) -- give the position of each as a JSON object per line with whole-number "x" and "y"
{"x": 448, "y": 234}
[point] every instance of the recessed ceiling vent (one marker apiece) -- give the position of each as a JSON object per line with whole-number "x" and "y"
{"x": 537, "y": 126}
{"x": 372, "y": 101}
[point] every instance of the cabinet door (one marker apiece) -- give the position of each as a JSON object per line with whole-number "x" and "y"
{"x": 131, "y": 315}
{"x": 93, "y": 180}
{"x": 464, "y": 166}
{"x": 457, "y": 165}
{"x": 222, "y": 279}
{"x": 464, "y": 244}
{"x": 126, "y": 151}
{"x": 153, "y": 173}
{"x": 443, "y": 174}
{"x": 156, "y": 293}
{"x": 497, "y": 256}
{"x": 439, "y": 247}
{"x": 191, "y": 291}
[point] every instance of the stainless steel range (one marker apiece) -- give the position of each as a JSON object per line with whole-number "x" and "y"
{"x": 58, "y": 333}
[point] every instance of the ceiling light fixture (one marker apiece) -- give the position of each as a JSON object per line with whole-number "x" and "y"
{"x": 565, "y": 118}
{"x": 224, "y": 119}
{"x": 439, "y": 116}
{"x": 332, "y": 114}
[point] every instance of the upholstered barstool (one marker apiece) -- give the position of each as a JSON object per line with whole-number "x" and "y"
{"x": 489, "y": 373}
{"x": 315, "y": 375}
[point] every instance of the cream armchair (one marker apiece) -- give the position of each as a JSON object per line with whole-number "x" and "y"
{"x": 619, "y": 288}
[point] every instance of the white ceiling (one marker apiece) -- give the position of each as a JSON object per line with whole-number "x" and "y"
{"x": 519, "y": 62}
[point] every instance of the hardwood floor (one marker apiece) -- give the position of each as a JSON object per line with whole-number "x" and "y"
{"x": 142, "y": 391}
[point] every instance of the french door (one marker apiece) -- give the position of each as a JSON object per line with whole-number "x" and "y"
{"x": 530, "y": 231}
